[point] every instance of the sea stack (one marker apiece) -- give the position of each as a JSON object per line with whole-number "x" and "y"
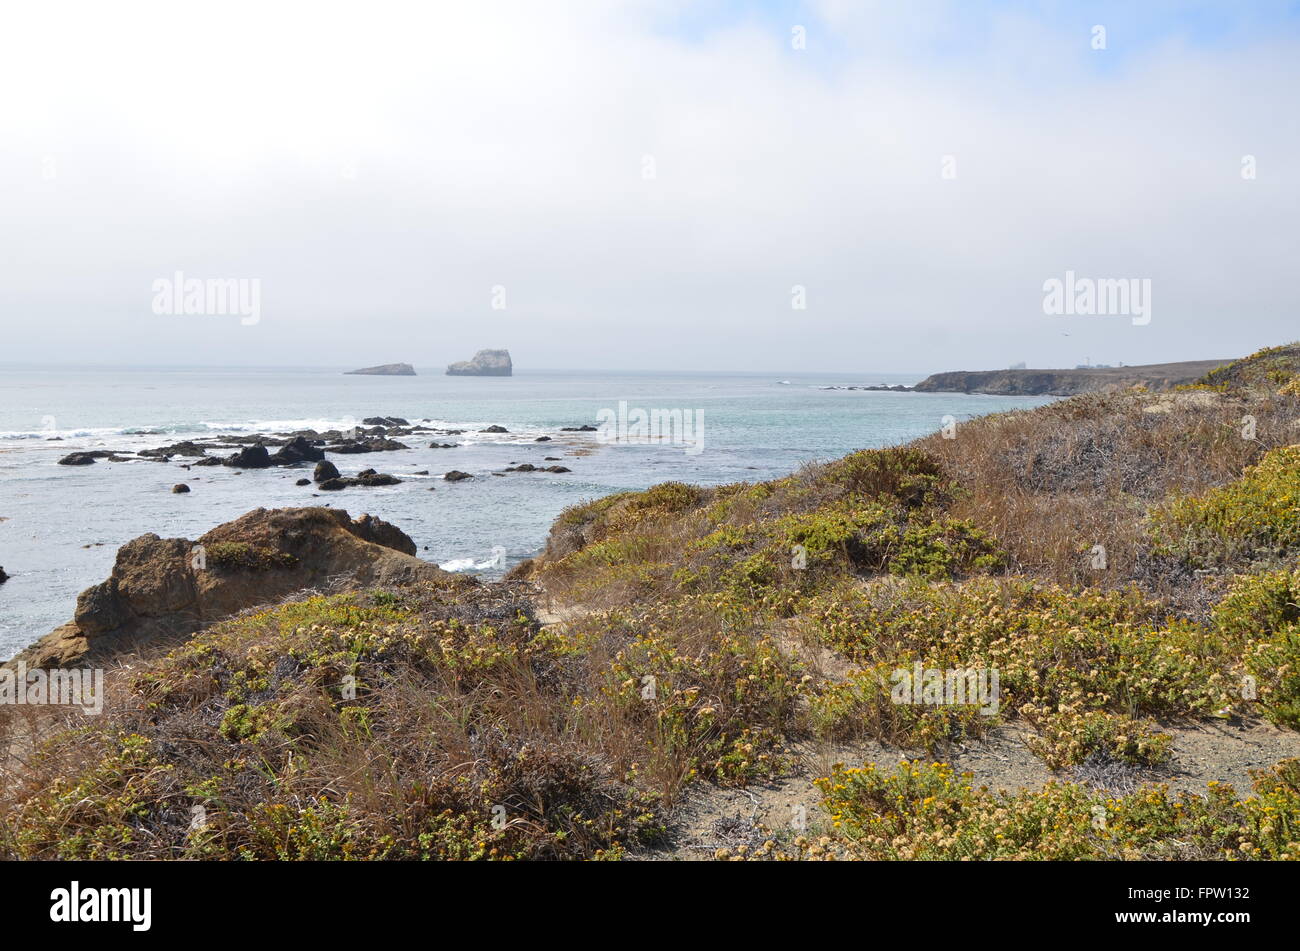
{"x": 485, "y": 363}
{"x": 387, "y": 369}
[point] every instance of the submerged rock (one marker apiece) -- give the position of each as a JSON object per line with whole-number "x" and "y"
{"x": 180, "y": 488}
{"x": 455, "y": 475}
{"x": 84, "y": 458}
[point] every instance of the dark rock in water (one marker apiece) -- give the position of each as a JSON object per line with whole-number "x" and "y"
{"x": 529, "y": 467}
{"x": 3, "y": 577}
{"x": 385, "y": 369}
{"x": 84, "y": 458}
{"x": 495, "y": 429}
{"x": 384, "y": 421}
{"x": 160, "y": 588}
{"x": 297, "y": 450}
{"x": 303, "y": 482}
{"x": 186, "y": 448}
{"x": 180, "y": 488}
{"x": 552, "y": 459}
{"x": 367, "y": 477}
{"x": 542, "y": 439}
{"x": 353, "y": 446}
{"x": 442, "y": 445}
{"x": 209, "y": 461}
{"x": 54, "y": 439}
{"x": 420, "y": 472}
{"x": 584, "y": 428}
{"x": 250, "y": 457}
{"x": 325, "y": 470}
{"x": 455, "y": 475}
{"x": 485, "y": 363}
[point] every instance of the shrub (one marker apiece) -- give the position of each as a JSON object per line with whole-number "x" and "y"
{"x": 1257, "y": 517}
{"x": 238, "y": 556}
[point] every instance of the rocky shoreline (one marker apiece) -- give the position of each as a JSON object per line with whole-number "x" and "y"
{"x": 305, "y": 447}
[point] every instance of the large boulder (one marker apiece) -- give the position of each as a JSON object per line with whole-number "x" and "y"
{"x": 325, "y": 470}
{"x": 164, "y": 589}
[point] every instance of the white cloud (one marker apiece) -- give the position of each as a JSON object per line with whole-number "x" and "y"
{"x": 380, "y": 167}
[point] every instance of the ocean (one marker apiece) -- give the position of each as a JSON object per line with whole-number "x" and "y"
{"x": 61, "y": 526}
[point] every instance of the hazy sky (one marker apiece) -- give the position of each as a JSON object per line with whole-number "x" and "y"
{"x": 647, "y": 181}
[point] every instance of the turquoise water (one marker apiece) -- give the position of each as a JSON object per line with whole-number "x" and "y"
{"x": 62, "y": 525}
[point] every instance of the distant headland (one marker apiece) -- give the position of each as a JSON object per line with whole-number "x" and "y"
{"x": 1025, "y": 382}
{"x": 485, "y": 363}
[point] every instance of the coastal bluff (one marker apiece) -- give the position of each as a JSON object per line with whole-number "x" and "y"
{"x": 485, "y": 363}
{"x": 386, "y": 369}
{"x": 1155, "y": 376}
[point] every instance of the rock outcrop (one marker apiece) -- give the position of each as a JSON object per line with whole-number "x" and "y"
{"x": 485, "y": 363}
{"x": 386, "y": 369}
{"x": 169, "y": 588}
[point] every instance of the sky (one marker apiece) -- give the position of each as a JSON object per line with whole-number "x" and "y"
{"x": 824, "y": 185}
